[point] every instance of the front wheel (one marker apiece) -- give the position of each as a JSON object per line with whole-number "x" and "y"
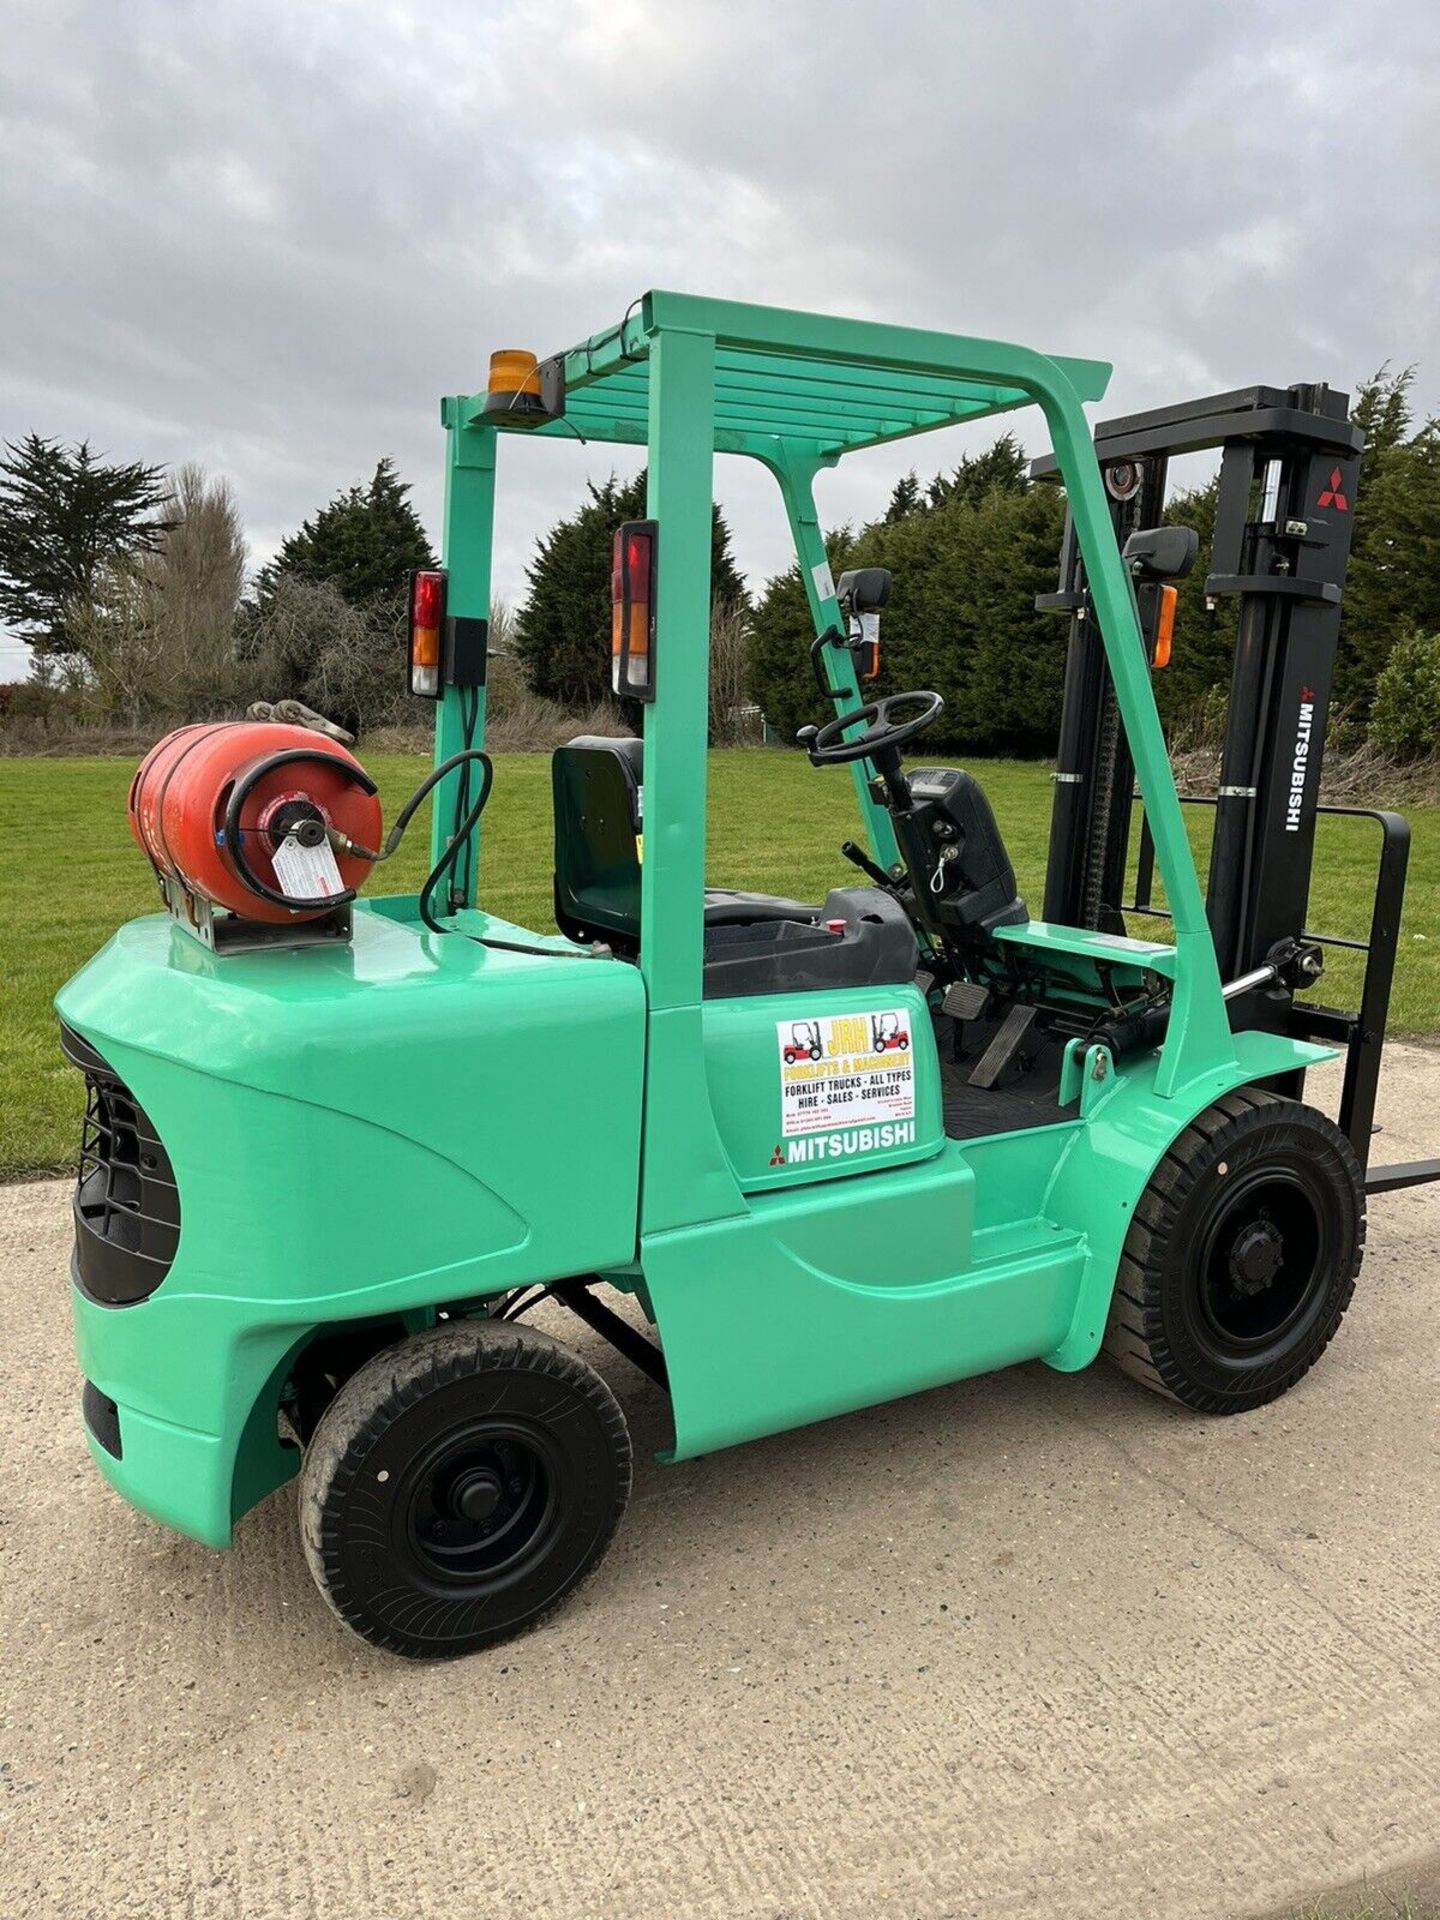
{"x": 1242, "y": 1256}
{"x": 460, "y": 1485}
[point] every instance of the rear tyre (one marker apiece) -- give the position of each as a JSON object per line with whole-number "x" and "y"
{"x": 460, "y": 1485}
{"x": 1242, "y": 1256}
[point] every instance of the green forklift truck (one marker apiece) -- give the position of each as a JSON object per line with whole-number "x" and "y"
{"x": 836, "y": 1152}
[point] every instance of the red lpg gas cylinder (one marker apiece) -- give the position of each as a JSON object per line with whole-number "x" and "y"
{"x": 184, "y": 816}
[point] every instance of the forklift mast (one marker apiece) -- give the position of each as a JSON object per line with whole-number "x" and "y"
{"x": 1285, "y": 508}
{"x": 1288, "y": 474}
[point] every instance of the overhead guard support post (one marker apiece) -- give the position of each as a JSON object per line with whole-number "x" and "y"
{"x": 685, "y": 1177}
{"x": 796, "y": 474}
{"x": 1198, "y": 1035}
{"x": 468, "y": 536}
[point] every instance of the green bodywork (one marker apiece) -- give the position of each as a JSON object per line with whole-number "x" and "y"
{"x": 363, "y": 1134}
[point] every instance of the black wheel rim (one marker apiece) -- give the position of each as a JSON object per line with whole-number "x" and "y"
{"x": 1263, "y": 1263}
{"x": 480, "y": 1505}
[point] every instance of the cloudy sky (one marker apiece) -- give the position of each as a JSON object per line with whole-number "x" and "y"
{"x": 267, "y": 234}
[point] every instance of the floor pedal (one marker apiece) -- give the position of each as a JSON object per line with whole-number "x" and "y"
{"x": 1004, "y": 1047}
{"x": 924, "y": 982}
{"x": 965, "y": 1000}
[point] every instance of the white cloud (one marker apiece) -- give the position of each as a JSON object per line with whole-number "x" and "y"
{"x": 269, "y": 237}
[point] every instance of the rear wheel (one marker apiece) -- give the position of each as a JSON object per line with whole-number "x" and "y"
{"x": 1242, "y": 1255}
{"x": 460, "y": 1485}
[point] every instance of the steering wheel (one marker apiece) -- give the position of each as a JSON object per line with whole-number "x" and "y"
{"x": 884, "y": 734}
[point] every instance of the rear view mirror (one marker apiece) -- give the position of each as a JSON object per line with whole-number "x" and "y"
{"x": 863, "y": 590}
{"x": 1162, "y": 553}
{"x": 861, "y": 594}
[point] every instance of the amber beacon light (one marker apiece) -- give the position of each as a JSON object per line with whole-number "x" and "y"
{"x": 520, "y": 392}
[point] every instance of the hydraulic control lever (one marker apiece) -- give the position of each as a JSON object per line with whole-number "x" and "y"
{"x": 858, "y": 857}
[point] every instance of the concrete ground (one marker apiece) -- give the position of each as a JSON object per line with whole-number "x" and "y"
{"x": 1030, "y": 1646}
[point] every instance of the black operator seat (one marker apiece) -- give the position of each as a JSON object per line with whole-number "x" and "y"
{"x": 754, "y": 942}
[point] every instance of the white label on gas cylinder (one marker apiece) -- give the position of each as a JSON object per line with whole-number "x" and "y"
{"x": 824, "y": 580}
{"x": 306, "y": 873}
{"x": 850, "y": 1070}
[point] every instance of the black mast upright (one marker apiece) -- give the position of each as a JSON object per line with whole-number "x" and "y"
{"x": 1284, "y": 561}
{"x": 1094, "y": 772}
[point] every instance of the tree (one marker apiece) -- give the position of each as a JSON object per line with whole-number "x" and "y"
{"x": 968, "y": 548}
{"x": 158, "y": 632}
{"x": 1394, "y": 576}
{"x": 905, "y": 500}
{"x": 115, "y": 669}
{"x": 1203, "y": 645}
{"x": 779, "y": 678}
{"x": 1382, "y": 409}
{"x": 66, "y": 518}
{"x": 729, "y": 645}
{"x": 563, "y": 630}
{"x": 195, "y": 579}
{"x": 364, "y": 543}
{"x": 968, "y": 562}
{"x": 1406, "y": 716}
{"x": 199, "y": 566}
{"x": 1001, "y": 468}
{"x": 305, "y": 641}
{"x": 1008, "y": 677}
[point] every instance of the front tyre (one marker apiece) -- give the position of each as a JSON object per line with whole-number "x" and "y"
{"x": 460, "y": 1485}
{"x": 1242, "y": 1256}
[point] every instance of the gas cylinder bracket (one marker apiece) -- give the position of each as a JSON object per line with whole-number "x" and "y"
{"x": 223, "y": 932}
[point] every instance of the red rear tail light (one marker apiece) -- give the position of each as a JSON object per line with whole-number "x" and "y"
{"x": 632, "y": 610}
{"x": 427, "y": 617}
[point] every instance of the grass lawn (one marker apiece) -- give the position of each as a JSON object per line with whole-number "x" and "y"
{"x": 69, "y": 873}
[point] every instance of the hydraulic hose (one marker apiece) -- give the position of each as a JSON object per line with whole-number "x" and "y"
{"x": 447, "y": 860}
{"x": 343, "y": 844}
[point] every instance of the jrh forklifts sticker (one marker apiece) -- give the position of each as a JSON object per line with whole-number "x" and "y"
{"x": 856, "y": 1073}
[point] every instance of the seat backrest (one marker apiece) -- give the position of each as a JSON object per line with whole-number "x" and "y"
{"x": 598, "y": 787}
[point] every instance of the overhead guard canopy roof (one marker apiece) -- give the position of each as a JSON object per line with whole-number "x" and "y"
{"x": 822, "y": 386}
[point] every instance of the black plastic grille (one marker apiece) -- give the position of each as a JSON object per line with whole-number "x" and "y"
{"x": 127, "y": 1209}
